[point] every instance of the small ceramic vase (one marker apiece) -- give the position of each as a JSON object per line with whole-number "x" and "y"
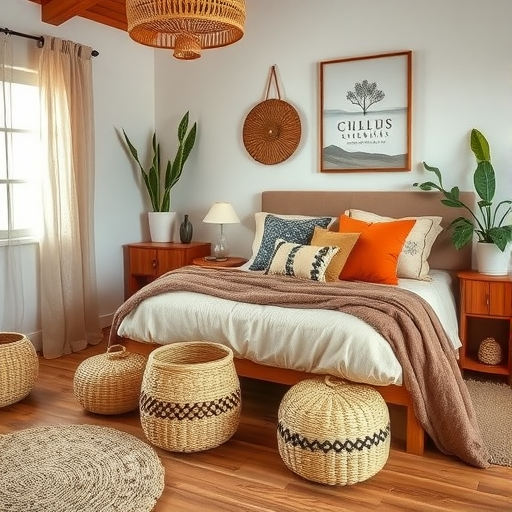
{"x": 186, "y": 231}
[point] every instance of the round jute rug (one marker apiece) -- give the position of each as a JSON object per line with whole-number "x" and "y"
{"x": 78, "y": 468}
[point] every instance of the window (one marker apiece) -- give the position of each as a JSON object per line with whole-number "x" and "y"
{"x": 20, "y": 155}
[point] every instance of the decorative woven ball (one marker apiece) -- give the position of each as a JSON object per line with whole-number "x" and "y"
{"x": 191, "y": 398}
{"x": 333, "y": 432}
{"x": 19, "y": 367}
{"x": 489, "y": 351}
{"x": 110, "y": 383}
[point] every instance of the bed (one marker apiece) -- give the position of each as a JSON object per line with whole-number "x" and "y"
{"x": 145, "y": 321}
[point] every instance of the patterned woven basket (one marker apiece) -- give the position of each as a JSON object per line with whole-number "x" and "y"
{"x": 190, "y": 398}
{"x": 333, "y": 432}
{"x": 489, "y": 352}
{"x": 19, "y": 367}
{"x": 110, "y": 383}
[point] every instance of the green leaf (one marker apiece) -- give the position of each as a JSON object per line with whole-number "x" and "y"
{"x": 183, "y": 153}
{"x": 484, "y": 180}
{"x": 501, "y": 236}
{"x": 462, "y": 232}
{"x": 182, "y": 128}
{"x": 480, "y": 146}
{"x": 452, "y": 203}
{"x": 153, "y": 186}
{"x": 436, "y": 171}
{"x": 428, "y": 185}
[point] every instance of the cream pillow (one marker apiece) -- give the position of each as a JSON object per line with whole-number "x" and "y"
{"x": 301, "y": 261}
{"x": 413, "y": 259}
{"x": 345, "y": 242}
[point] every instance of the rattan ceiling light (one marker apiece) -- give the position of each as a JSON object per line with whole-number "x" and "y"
{"x": 186, "y": 26}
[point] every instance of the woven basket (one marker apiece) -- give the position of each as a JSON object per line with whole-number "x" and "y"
{"x": 19, "y": 367}
{"x": 333, "y": 432}
{"x": 110, "y": 383}
{"x": 489, "y": 352}
{"x": 190, "y": 398}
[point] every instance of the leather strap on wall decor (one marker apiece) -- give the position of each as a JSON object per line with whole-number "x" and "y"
{"x": 272, "y": 129}
{"x": 273, "y": 78}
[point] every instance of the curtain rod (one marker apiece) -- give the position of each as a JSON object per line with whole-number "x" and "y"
{"x": 39, "y": 39}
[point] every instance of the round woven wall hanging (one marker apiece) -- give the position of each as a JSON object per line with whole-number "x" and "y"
{"x": 272, "y": 129}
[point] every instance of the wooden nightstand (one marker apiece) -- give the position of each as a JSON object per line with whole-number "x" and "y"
{"x": 145, "y": 261}
{"x": 232, "y": 261}
{"x": 485, "y": 311}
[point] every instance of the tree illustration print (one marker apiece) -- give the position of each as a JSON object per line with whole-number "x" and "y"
{"x": 365, "y": 94}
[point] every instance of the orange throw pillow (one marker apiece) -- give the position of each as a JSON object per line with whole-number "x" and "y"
{"x": 374, "y": 258}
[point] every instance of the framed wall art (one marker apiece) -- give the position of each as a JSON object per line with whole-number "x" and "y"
{"x": 365, "y": 113}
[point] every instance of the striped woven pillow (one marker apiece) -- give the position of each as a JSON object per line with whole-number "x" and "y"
{"x": 300, "y": 261}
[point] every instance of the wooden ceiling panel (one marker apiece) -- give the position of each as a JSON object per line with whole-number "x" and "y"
{"x": 107, "y": 12}
{"x": 102, "y": 13}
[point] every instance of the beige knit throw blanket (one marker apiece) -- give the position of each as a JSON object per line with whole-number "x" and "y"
{"x": 430, "y": 373}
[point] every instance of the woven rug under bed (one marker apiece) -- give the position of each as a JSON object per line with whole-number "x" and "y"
{"x": 493, "y": 407}
{"x": 79, "y": 468}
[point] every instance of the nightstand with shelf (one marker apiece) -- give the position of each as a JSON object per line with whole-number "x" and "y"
{"x": 145, "y": 261}
{"x": 485, "y": 311}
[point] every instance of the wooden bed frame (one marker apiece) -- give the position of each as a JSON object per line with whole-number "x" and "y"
{"x": 392, "y": 204}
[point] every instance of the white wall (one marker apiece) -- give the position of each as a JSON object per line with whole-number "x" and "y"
{"x": 461, "y": 79}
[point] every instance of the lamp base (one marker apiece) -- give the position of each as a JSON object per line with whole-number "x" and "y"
{"x": 214, "y": 258}
{"x": 220, "y": 247}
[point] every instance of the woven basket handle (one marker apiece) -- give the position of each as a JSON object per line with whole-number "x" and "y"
{"x": 116, "y": 352}
{"x": 273, "y": 78}
{"x": 332, "y": 382}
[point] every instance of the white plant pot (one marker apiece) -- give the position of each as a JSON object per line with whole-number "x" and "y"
{"x": 161, "y": 226}
{"x": 492, "y": 261}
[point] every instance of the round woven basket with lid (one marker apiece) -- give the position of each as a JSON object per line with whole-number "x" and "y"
{"x": 333, "y": 432}
{"x": 110, "y": 383}
{"x": 190, "y": 398}
{"x": 19, "y": 367}
{"x": 489, "y": 352}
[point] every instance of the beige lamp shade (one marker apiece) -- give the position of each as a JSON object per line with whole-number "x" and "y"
{"x": 187, "y": 26}
{"x": 221, "y": 213}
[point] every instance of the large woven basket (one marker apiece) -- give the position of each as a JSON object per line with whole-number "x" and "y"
{"x": 19, "y": 367}
{"x": 110, "y": 383}
{"x": 190, "y": 398}
{"x": 333, "y": 432}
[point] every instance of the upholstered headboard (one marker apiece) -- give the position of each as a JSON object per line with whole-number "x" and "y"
{"x": 389, "y": 203}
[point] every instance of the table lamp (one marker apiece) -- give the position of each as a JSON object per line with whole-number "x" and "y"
{"x": 221, "y": 213}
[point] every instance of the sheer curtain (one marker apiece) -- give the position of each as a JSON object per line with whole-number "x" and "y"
{"x": 69, "y": 305}
{"x": 12, "y": 272}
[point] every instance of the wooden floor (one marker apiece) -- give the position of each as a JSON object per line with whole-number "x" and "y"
{"x": 246, "y": 473}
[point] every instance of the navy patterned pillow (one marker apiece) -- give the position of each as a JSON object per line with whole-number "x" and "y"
{"x": 297, "y": 231}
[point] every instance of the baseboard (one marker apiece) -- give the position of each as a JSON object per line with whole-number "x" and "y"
{"x": 106, "y": 320}
{"x": 37, "y": 337}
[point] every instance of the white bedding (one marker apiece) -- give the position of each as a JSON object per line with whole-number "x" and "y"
{"x": 312, "y": 340}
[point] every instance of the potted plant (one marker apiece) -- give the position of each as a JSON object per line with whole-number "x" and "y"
{"x": 159, "y": 182}
{"x": 488, "y": 221}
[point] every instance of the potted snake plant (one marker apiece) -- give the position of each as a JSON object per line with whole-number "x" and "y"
{"x": 487, "y": 220}
{"x": 160, "y": 180}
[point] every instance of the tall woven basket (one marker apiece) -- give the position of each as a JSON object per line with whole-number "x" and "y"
{"x": 19, "y": 367}
{"x": 333, "y": 432}
{"x": 110, "y": 383}
{"x": 190, "y": 398}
